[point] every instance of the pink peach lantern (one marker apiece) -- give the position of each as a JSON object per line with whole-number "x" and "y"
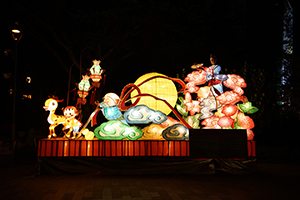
{"x": 229, "y": 110}
{"x": 225, "y": 121}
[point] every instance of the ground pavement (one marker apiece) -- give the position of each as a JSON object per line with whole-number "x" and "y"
{"x": 271, "y": 181}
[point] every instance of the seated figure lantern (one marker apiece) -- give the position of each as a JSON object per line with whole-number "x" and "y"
{"x": 96, "y": 72}
{"x": 83, "y": 87}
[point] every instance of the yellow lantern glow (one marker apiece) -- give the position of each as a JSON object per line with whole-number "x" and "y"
{"x": 159, "y": 87}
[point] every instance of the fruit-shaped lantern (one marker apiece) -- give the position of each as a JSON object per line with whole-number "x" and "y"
{"x": 96, "y": 72}
{"x": 83, "y": 89}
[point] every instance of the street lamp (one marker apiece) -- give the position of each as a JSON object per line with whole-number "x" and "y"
{"x": 16, "y": 34}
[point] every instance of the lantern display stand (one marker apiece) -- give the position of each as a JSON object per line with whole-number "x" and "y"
{"x": 197, "y": 156}
{"x": 210, "y": 134}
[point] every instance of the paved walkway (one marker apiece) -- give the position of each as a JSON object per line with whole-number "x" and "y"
{"x": 273, "y": 181}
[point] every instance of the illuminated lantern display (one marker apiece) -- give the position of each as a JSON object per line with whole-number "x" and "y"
{"x": 53, "y": 119}
{"x": 191, "y": 105}
{"x": 71, "y": 123}
{"x": 229, "y": 110}
{"x": 244, "y": 122}
{"x": 225, "y": 122}
{"x": 110, "y": 108}
{"x": 176, "y": 132}
{"x": 211, "y": 123}
{"x": 247, "y": 107}
{"x": 142, "y": 114}
{"x": 152, "y": 132}
{"x": 88, "y": 135}
{"x": 216, "y": 108}
{"x": 159, "y": 87}
{"x": 96, "y": 72}
{"x": 83, "y": 89}
{"x": 68, "y": 120}
{"x": 116, "y": 130}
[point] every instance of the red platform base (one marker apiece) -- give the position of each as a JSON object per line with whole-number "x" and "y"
{"x": 104, "y": 148}
{"x": 61, "y": 147}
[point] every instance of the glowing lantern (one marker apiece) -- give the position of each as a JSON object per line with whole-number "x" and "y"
{"x": 250, "y": 134}
{"x": 245, "y": 122}
{"x": 225, "y": 122}
{"x": 211, "y": 123}
{"x": 159, "y": 87}
{"x": 83, "y": 87}
{"x": 247, "y": 107}
{"x": 96, "y": 72}
{"x": 71, "y": 123}
{"x": 53, "y": 119}
{"x": 229, "y": 110}
{"x": 192, "y": 106}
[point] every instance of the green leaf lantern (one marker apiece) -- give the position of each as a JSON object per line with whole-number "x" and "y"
{"x": 247, "y": 107}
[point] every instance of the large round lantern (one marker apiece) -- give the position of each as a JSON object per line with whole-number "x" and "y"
{"x": 159, "y": 87}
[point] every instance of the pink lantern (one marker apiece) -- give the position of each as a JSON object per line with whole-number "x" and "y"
{"x": 211, "y": 123}
{"x": 225, "y": 121}
{"x": 245, "y": 121}
{"x": 250, "y": 134}
{"x": 229, "y": 110}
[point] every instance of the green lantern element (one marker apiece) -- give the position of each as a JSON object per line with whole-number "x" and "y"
{"x": 96, "y": 69}
{"x": 116, "y": 130}
{"x": 84, "y": 84}
{"x": 247, "y": 107}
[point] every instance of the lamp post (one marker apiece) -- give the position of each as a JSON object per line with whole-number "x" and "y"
{"x": 16, "y": 34}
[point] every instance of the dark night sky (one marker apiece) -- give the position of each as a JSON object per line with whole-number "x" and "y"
{"x": 136, "y": 37}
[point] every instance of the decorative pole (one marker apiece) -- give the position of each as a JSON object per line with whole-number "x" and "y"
{"x": 16, "y": 34}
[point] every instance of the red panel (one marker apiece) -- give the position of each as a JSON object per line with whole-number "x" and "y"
{"x": 95, "y": 148}
{"x": 48, "y": 148}
{"x": 183, "y": 148}
{"x": 130, "y": 148}
{"x": 113, "y": 148}
{"x": 72, "y": 148}
{"x": 54, "y": 148}
{"x": 142, "y": 148}
{"x": 89, "y": 151}
{"x": 154, "y": 148}
{"x": 107, "y": 148}
{"x": 43, "y": 148}
{"x": 66, "y": 148}
{"x": 125, "y": 148}
{"x": 253, "y": 148}
{"x": 83, "y": 148}
{"x": 160, "y": 145}
{"x": 177, "y": 148}
{"x": 165, "y": 148}
{"x": 148, "y": 148}
{"x": 60, "y": 148}
{"x": 101, "y": 148}
{"x": 171, "y": 148}
{"x": 119, "y": 148}
{"x": 249, "y": 146}
{"x": 77, "y": 148}
{"x": 136, "y": 148}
